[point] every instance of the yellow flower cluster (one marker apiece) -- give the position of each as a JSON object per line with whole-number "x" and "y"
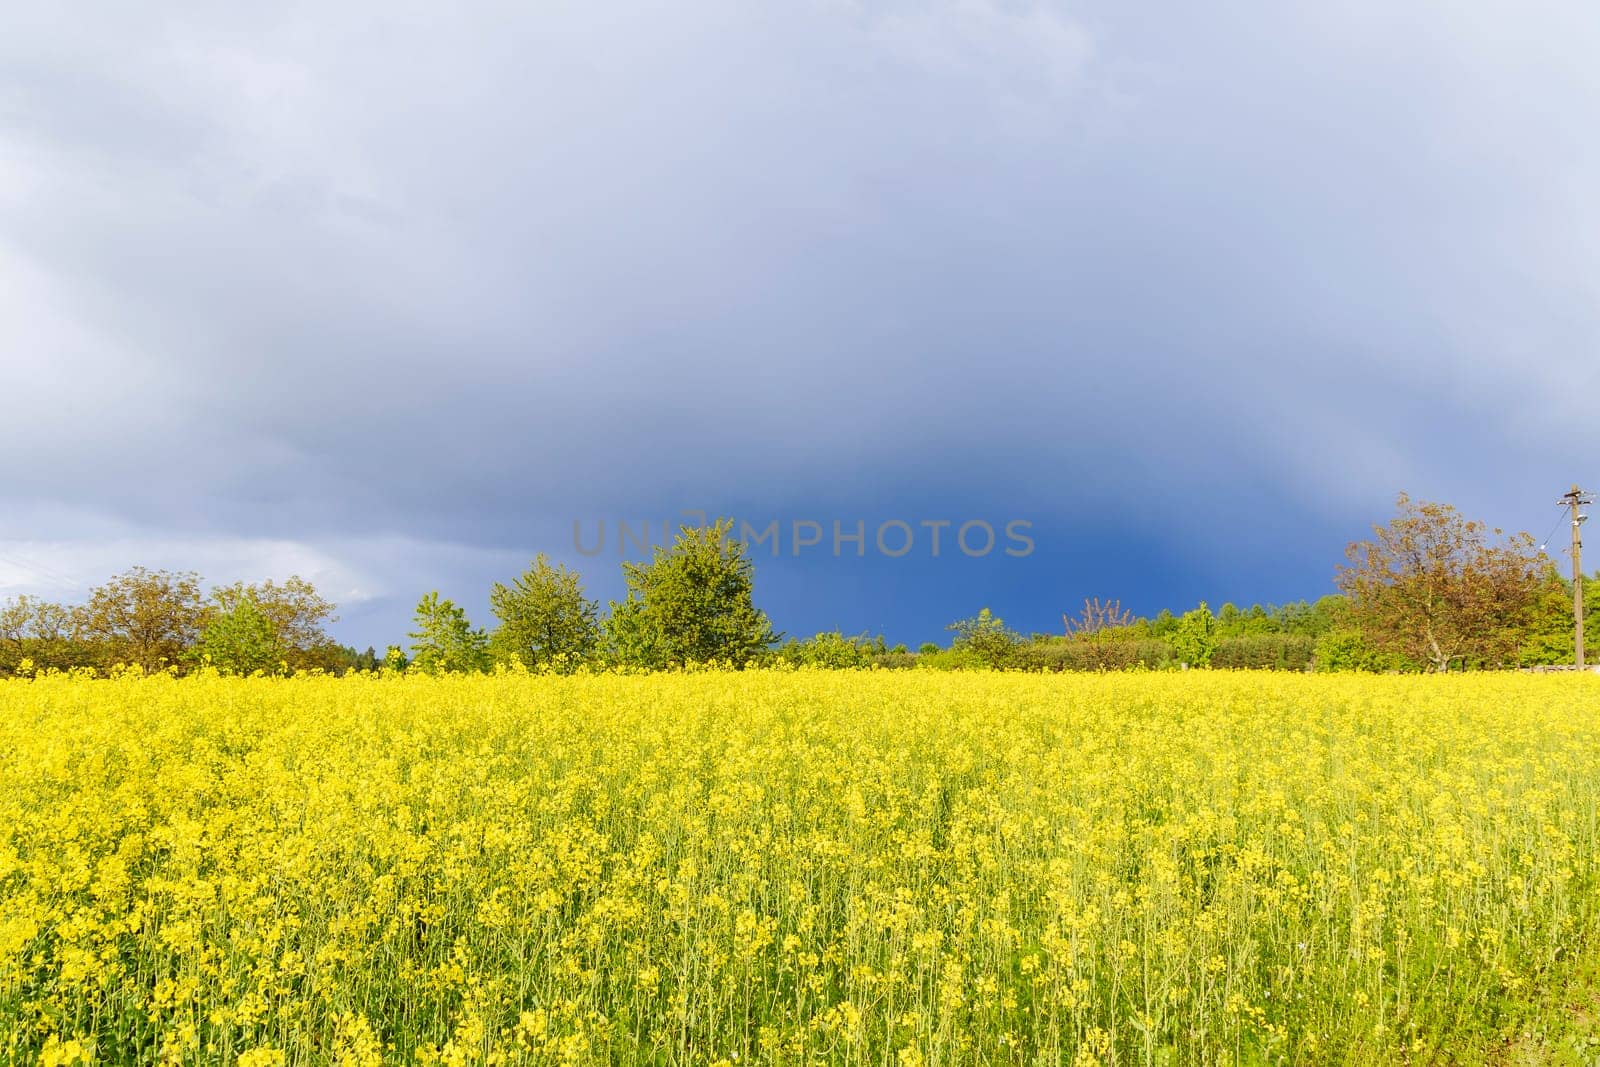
{"x": 795, "y": 867}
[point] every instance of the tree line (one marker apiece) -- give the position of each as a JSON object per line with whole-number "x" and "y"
{"x": 158, "y": 619}
{"x": 1431, "y": 590}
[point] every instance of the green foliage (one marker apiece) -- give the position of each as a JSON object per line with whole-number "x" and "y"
{"x": 239, "y": 640}
{"x": 1547, "y": 638}
{"x": 1194, "y": 638}
{"x": 1093, "y": 654}
{"x": 1265, "y": 651}
{"x": 545, "y": 620}
{"x": 692, "y": 603}
{"x": 832, "y": 650}
{"x": 985, "y": 637}
{"x": 296, "y": 613}
{"x": 955, "y": 658}
{"x": 1349, "y": 649}
{"x": 444, "y": 640}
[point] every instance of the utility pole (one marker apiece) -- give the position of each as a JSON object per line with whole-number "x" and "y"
{"x": 1577, "y": 499}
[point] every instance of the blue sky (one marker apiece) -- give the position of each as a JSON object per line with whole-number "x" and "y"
{"x": 390, "y": 297}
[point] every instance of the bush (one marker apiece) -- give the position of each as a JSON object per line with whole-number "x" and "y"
{"x": 986, "y": 637}
{"x": 1349, "y": 650}
{"x": 958, "y": 658}
{"x": 1080, "y": 654}
{"x": 833, "y": 650}
{"x": 1273, "y": 652}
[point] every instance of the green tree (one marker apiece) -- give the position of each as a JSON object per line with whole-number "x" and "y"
{"x": 240, "y": 639}
{"x": 296, "y": 614}
{"x": 1547, "y": 637}
{"x": 1164, "y": 625}
{"x": 692, "y": 603}
{"x": 544, "y": 617}
{"x": 1194, "y": 638}
{"x": 444, "y": 640}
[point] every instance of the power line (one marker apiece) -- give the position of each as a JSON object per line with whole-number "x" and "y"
{"x": 45, "y": 574}
{"x": 1544, "y": 541}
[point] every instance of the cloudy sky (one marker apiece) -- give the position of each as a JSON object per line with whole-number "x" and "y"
{"x": 391, "y": 295}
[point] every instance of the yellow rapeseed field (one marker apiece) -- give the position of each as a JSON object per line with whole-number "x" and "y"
{"x": 778, "y": 868}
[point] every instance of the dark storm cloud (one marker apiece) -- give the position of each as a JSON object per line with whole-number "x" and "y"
{"x": 403, "y": 293}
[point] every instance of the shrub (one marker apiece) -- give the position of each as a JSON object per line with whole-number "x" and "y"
{"x": 1349, "y": 650}
{"x": 830, "y": 650}
{"x": 1083, "y": 654}
{"x": 986, "y": 637}
{"x": 1277, "y": 652}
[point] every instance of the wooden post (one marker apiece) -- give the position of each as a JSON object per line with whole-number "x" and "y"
{"x": 1575, "y": 499}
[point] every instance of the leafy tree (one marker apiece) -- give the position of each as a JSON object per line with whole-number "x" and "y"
{"x": 296, "y": 613}
{"x": 240, "y": 639}
{"x": 987, "y": 637}
{"x": 16, "y": 626}
{"x": 1194, "y": 638}
{"x": 145, "y": 617}
{"x": 42, "y": 631}
{"x": 692, "y": 603}
{"x": 544, "y": 617}
{"x": 1548, "y": 638}
{"x": 1328, "y": 613}
{"x": 1164, "y": 625}
{"x": 1441, "y": 589}
{"x": 444, "y": 640}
